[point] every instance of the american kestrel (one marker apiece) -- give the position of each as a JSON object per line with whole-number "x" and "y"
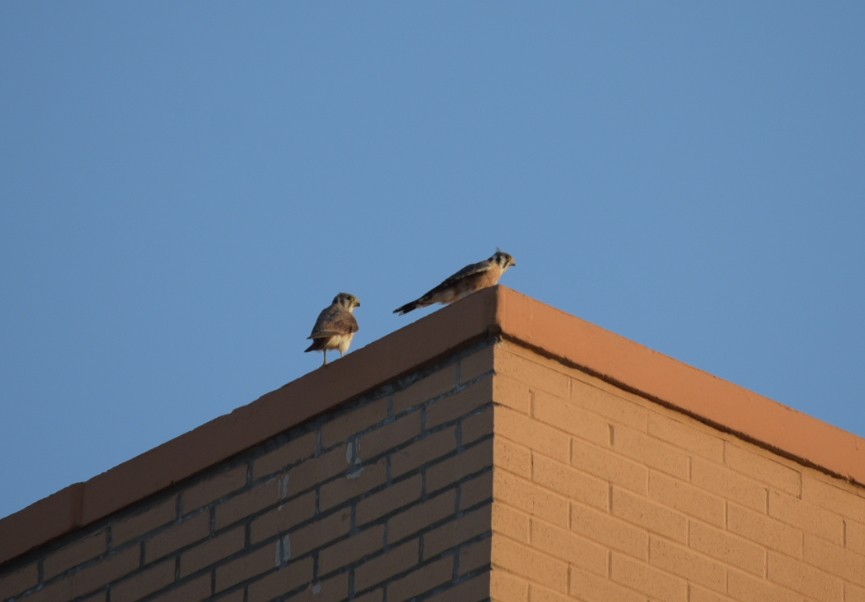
{"x": 471, "y": 278}
{"x": 335, "y": 326}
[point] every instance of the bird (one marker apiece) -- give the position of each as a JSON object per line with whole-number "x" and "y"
{"x": 471, "y": 278}
{"x": 335, "y": 326}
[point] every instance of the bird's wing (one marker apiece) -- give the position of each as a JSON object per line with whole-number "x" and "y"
{"x": 334, "y": 320}
{"x": 469, "y": 270}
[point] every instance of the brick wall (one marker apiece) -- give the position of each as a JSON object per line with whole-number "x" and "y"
{"x": 603, "y": 496}
{"x": 387, "y": 498}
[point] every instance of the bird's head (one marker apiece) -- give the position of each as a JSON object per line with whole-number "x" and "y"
{"x": 347, "y": 301}
{"x": 503, "y": 260}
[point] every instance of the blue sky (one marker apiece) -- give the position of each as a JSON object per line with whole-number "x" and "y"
{"x": 185, "y": 185}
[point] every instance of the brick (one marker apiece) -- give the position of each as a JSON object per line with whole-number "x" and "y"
{"x": 101, "y": 596}
{"x": 321, "y": 532}
{"x": 315, "y": 471}
{"x": 376, "y": 595}
{"x": 473, "y": 556}
{"x": 423, "y": 451}
{"x": 507, "y": 587}
{"x": 476, "y": 589}
{"x": 144, "y": 583}
{"x": 807, "y": 517}
{"x": 460, "y": 403}
{"x": 834, "y": 499}
{"x": 381, "y": 568}
{"x": 568, "y": 546}
{"x": 258, "y": 497}
{"x": 75, "y": 553}
{"x": 651, "y": 452}
{"x": 476, "y": 364}
{"x": 699, "y": 594}
{"x": 687, "y": 435}
{"x": 729, "y": 484}
{"x": 252, "y": 563}
{"x": 192, "y": 529}
{"x": 609, "y": 531}
{"x": 287, "y": 579}
{"x": 535, "y": 374}
{"x": 853, "y": 593}
{"x": 476, "y": 426}
{"x": 854, "y": 536}
{"x": 429, "y": 387}
{"x": 196, "y": 589}
{"x": 476, "y": 490}
{"x": 360, "y": 480}
{"x": 656, "y": 518}
{"x": 609, "y": 466}
{"x": 529, "y": 563}
{"x": 746, "y": 588}
{"x": 728, "y": 548}
{"x": 657, "y": 584}
{"x": 594, "y": 588}
{"x": 420, "y": 516}
{"x": 352, "y": 549}
{"x": 358, "y": 419}
{"x": 834, "y": 560}
{"x": 288, "y": 454}
{"x": 334, "y": 589}
{"x": 452, "y": 470}
{"x": 18, "y": 581}
{"x": 510, "y": 522}
{"x": 283, "y": 518}
{"x": 566, "y": 416}
{"x": 512, "y": 457}
{"x": 214, "y": 488}
{"x": 530, "y": 433}
{"x": 389, "y": 436}
{"x": 389, "y": 499}
{"x": 512, "y": 394}
{"x": 151, "y": 518}
{"x": 452, "y": 533}
{"x": 686, "y": 498}
{"x": 524, "y": 496}
{"x": 612, "y": 407}
{"x": 681, "y": 561}
{"x": 211, "y": 551}
{"x": 572, "y": 484}
{"x": 762, "y": 469}
{"x": 764, "y": 530}
{"x": 804, "y": 579}
{"x": 421, "y": 580}
{"x": 91, "y": 578}
{"x": 542, "y": 594}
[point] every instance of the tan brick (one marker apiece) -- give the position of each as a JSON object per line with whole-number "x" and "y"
{"x": 804, "y": 579}
{"x": 420, "y": 516}
{"x": 612, "y": 407}
{"x": 730, "y": 549}
{"x": 807, "y": 517}
{"x": 566, "y": 416}
{"x": 686, "y": 498}
{"x": 476, "y": 364}
{"x": 247, "y": 566}
{"x": 510, "y": 522}
{"x": 260, "y": 496}
{"x": 609, "y": 466}
{"x": 334, "y": 589}
{"x": 450, "y": 471}
{"x": 352, "y": 549}
{"x": 512, "y": 457}
{"x": 853, "y": 593}
{"x": 609, "y": 531}
{"x": 568, "y": 546}
{"x": 75, "y": 553}
{"x": 381, "y": 568}
{"x": 593, "y": 588}
{"x": 513, "y": 394}
{"x": 288, "y": 578}
{"x": 688, "y": 435}
{"x": 542, "y": 594}
{"x": 213, "y": 488}
{"x": 641, "y": 577}
{"x": 211, "y": 551}
{"x": 699, "y": 594}
{"x": 681, "y": 561}
{"x": 834, "y": 560}
{"x": 454, "y": 532}
{"x": 529, "y": 563}
{"x": 476, "y": 589}
{"x": 144, "y": 583}
{"x": 835, "y": 499}
{"x": 389, "y": 499}
{"x": 476, "y": 426}
{"x": 422, "y": 580}
{"x": 360, "y": 480}
{"x": 429, "y": 387}
{"x": 177, "y": 536}
{"x": 651, "y": 452}
{"x": 530, "y": 433}
{"x": 154, "y": 516}
{"x": 196, "y": 589}
{"x": 388, "y": 436}
{"x": 358, "y": 419}
{"x": 656, "y": 518}
{"x": 534, "y": 373}
{"x": 91, "y": 578}
{"x": 460, "y": 403}
{"x": 423, "y": 451}
{"x": 763, "y": 469}
{"x": 766, "y": 531}
{"x": 574, "y": 485}
{"x": 525, "y": 496}
{"x": 747, "y": 588}
{"x": 288, "y": 454}
{"x": 473, "y": 556}
{"x": 320, "y": 532}
{"x": 18, "y": 581}
{"x": 476, "y": 490}
{"x": 283, "y": 518}
{"x": 728, "y": 484}
{"x": 854, "y": 536}
{"x": 507, "y": 587}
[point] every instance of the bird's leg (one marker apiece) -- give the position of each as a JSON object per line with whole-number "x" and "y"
{"x": 325, "y": 357}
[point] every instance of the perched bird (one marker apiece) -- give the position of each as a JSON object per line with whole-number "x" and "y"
{"x": 471, "y": 278}
{"x": 335, "y": 326}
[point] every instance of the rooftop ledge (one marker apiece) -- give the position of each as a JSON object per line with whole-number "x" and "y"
{"x": 490, "y": 313}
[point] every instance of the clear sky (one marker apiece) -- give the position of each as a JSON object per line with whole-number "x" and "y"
{"x": 185, "y": 185}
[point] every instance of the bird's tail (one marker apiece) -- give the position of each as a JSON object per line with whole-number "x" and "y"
{"x": 316, "y": 345}
{"x": 407, "y": 307}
